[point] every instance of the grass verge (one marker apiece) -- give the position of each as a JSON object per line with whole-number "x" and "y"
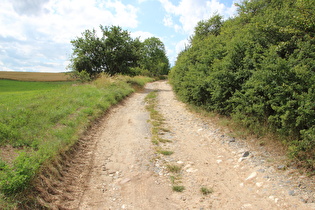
{"x": 39, "y": 124}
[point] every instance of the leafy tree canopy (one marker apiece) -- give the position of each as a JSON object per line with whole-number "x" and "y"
{"x": 115, "y": 52}
{"x": 154, "y": 57}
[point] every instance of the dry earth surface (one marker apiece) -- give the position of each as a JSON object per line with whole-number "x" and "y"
{"x": 117, "y": 167}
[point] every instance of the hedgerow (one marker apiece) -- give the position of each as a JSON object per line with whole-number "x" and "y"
{"x": 257, "y": 67}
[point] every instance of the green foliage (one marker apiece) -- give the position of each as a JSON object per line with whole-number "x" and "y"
{"x": 165, "y": 152}
{"x": 154, "y": 57}
{"x": 115, "y": 52}
{"x": 257, "y": 67}
{"x": 2, "y": 164}
{"x": 81, "y": 76}
{"x": 17, "y": 178}
{"x": 206, "y": 191}
{"x": 173, "y": 168}
{"x": 209, "y": 27}
{"x": 178, "y": 188}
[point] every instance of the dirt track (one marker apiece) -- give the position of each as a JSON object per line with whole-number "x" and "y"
{"x": 118, "y": 168}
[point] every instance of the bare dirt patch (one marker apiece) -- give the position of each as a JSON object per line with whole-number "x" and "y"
{"x": 117, "y": 166}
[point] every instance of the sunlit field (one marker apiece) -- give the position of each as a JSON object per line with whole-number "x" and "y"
{"x": 40, "y": 120}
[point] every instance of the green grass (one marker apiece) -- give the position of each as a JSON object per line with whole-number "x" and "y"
{"x": 173, "y": 168}
{"x": 12, "y": 86}
{"x": 164, "y": 152}
{"x": 41, "y": 120}
{"x": 178, "y": 188}
{"x": 206, "y": 191}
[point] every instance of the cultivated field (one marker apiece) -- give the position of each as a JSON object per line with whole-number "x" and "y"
{"x": 34, "y": 76}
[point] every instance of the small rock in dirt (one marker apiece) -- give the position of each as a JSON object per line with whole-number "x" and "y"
{"x": 245, "y": 206}
{"x": 261, "y": 170}
{"x": 259, "y": 184}
{"x": 274, "y": 199}
{"x": 246, "y": 154}
{"x": 219, "y": 161}
{"x": 281, "y": 167}
{"x": 180, "y": 162}
{"x": 187, "y": 166}
{"x": 191, "y": 170}
{"x": 251, "y": 176}
{"x": 232, "y": 139}
{"x": 124, "y": 181}
{"x": 291, "y": 192}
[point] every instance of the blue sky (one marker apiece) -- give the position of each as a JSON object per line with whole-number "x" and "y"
{"x": 35, "y": 35}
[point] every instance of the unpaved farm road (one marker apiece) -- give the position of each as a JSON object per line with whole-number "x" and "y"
{"x": 118, "y": 167}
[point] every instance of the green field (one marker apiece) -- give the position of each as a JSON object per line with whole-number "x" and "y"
{"x": 40, "y": 120}
{"x": 11, "y": 86}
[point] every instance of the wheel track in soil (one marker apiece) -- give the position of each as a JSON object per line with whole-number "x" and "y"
{"x": 116, "y": 166}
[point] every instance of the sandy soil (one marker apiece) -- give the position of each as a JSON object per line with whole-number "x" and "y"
{"x": 117, "y": 166}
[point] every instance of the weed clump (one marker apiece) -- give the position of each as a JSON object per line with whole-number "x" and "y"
{"x": 206, "y": 191}
{"x": 178, "y": 188}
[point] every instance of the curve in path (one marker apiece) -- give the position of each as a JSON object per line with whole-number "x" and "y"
{"x": 118, "y": 167}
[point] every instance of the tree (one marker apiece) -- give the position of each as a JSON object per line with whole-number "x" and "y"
{"x": 115, "y": 52}
{"x": 120, "y": 50}
{"x": 209, "y": 27}
{"x": 88, "y": 54}
{"x": 154, "y": 57}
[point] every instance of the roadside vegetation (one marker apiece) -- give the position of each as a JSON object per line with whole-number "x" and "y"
{"x": 257, "y": 68}
{"x": 40, "y": 120}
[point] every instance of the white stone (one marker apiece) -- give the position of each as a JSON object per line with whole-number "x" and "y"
{"x": 191, "y": 170}
{"x": 251, "y": 176}
{"x": 259, "y": 184}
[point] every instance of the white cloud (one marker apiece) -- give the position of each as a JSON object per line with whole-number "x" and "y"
{"x": 168, "y": 21}
{"x": 29, "y": 7}
{"x": 40, "y": 31}
{"x": 141, "y": 34}
{"x": 189, "y": 12}
{"x": 181, "y": 45}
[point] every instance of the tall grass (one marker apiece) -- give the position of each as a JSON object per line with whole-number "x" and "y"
{"x": 41, "y": 124}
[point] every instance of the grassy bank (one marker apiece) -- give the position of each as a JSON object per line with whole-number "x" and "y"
{"x": 39, "y": 124}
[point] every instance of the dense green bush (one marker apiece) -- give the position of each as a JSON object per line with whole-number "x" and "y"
{"x": 258, "y": 67}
